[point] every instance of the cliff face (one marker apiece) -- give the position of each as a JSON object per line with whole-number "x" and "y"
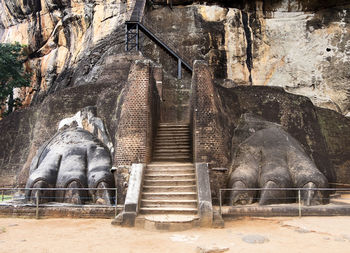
{"x": 67, "y": 40}
{"x": 306, "y": 52}
{"x": 299, "y": 45}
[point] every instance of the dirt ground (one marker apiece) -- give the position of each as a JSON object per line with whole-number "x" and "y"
{"x": 307, "y": 234}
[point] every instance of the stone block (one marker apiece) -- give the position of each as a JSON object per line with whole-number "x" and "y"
{"x": 205, "y": 208}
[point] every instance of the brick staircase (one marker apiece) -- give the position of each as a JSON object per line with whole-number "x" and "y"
{"x": 172, "y": 143}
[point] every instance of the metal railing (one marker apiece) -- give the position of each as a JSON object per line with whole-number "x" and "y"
{"x": 152, "y": 26}
{"x": 294, "y": 195}
{"x": 148, "y": 27}
{"x": 48, "y": 197}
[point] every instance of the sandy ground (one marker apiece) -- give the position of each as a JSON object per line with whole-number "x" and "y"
{"x": 307, "y": 234}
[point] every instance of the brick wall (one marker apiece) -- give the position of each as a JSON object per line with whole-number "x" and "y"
{"x": 208, "y": 140}
{"x": 135, "y": 129}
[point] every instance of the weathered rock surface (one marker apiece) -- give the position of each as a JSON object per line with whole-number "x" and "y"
{"x": 298, "y": 45}
{"x": 24, "y": 131}
{"x": 67, "y": 40}
{"x": 296, "y": 115}
{"x": 254, "y": 239}
{"x": 336, "y": 130}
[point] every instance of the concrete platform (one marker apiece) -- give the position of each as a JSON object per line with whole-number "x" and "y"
{"x": 167, "y": 222}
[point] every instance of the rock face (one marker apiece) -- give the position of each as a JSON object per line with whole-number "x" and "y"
{"x": 336, "y": 130}
{"x": 291, "y": 44}
{"x": 295, "y": 114}
{"x": 67, "y": 40}
{"x": 299, "y": 45}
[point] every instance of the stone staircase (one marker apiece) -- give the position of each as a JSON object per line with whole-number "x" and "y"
{"x": 173, "y": 143}
{"x": 169, "y": 192}
{"x": 169, "y": 188}
{"x": 169, "y": 197}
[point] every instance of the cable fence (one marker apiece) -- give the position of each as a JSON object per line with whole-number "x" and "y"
{"x": 270, "y": 197}
{"x": 59, "y": 197}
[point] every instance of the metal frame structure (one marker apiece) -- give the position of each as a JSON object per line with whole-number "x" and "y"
{"x": 132, "y": 42}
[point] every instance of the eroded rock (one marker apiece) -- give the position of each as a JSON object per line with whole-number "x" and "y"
{"x": 255, "y": 239}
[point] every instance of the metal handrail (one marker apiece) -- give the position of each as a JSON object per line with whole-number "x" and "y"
{"x": 137, "y": 17}
{"x": 299, "y": 190}
{"x": 38, "y": 197}
{"x": 148, "y": 23}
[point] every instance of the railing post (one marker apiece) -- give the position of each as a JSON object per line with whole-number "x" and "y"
{"x": 299, "y": 203}
{"x": 126, "y": 38}
{"x": 179, "y": 73}
{"x": 37, "y": 204}
{"x": 116, "y": 198}
{"x": 137, "y": 37}
{"x": 220, "y": 202}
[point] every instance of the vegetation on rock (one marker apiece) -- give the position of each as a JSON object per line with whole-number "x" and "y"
{"x": 12, "y": 75}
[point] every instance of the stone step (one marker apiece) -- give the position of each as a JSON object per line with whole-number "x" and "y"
{"x": 174, "y": 150}
{"x": 172, "y": 135}
{"x": 173, "y": 146}
{"x": 168, "y": 210}
{"x": 173, "y": 155}
{"x": 169, "y": 182}
{"x": 167, "y": 222}
{"x": 170, "y": 172}
{"x": 168, "y": 203}
{"x": 168, "y": 176}
{"x": 173, "y": 125}
{"x": 170, "y": 195}
{"x": 172, "y": 130}
{"x": 171, "y": 143}
{"x": 170, "y": 165}
{"x": 171, "y": 159}
{"x": 166, "y": 170}
{"x": 172, "y": 188}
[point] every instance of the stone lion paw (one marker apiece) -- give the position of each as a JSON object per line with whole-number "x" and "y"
{"x": 270, "y": 158}
{"x": 72, "y": 159}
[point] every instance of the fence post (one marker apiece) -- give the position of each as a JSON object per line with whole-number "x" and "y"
{"x": 37, "y": 204}
{"x": 220, "y": 200}
{"x": 116, "y": 198}
{"x": 299, "y": 202}
{"x": 2, "y": 195}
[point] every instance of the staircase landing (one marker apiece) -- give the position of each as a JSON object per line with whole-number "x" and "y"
{"x": 167, "y": 222}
